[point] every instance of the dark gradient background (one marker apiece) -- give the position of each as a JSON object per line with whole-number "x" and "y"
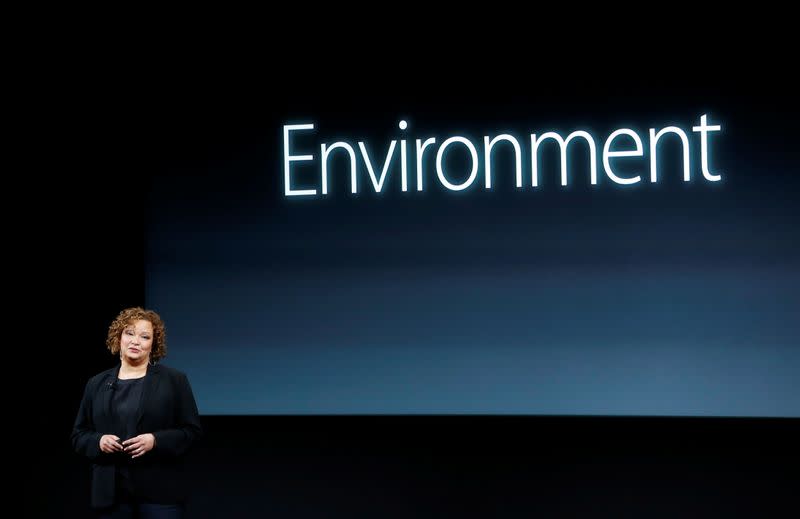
{"x": 670, "y": 298}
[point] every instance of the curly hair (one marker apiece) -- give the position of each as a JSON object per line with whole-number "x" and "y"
{"x": 129, "y": 316}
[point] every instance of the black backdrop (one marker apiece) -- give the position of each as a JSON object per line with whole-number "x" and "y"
{"x": 350, "y": 466}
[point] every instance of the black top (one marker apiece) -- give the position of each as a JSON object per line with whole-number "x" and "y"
{"x": 125, "y": 405}
{"x": 127, "y": 398}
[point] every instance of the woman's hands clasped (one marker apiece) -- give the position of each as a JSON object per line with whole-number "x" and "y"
{"x": 136, "y": 446}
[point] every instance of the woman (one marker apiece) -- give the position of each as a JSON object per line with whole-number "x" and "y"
{"x": 136, "y": 422}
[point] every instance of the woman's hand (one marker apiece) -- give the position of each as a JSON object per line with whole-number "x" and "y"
{"x": 109, "y": 444}
{"x": 138, "y": 445}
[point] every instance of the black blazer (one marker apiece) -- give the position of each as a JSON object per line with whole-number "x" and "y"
{"x": 167, "y": 410}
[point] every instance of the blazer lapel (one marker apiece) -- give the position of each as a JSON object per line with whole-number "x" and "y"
{"x": 107, "y": 388}
{"x": 150, "y": 388}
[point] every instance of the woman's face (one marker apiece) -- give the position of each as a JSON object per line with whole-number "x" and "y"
{"x": 137, "y": 341}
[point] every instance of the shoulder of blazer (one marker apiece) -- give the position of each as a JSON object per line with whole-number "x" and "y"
{"x": 167, "y": 371}
{"x": 103, "y": 376}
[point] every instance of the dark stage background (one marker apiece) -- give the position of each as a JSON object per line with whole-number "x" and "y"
{"x": 403, "y": 465}
{"x": 669, "y": 298}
